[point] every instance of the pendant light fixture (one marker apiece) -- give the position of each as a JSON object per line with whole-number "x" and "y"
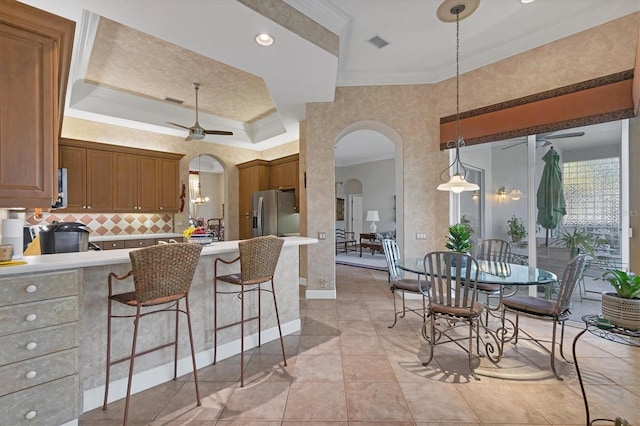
{"x": 450, "y": 11}
{"x": 200, "y": 199}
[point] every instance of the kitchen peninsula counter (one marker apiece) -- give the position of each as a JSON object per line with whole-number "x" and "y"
{"x": 73, "y": 286}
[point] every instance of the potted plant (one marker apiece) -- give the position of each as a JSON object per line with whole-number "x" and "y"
{"x": 576, "y": 241}
{"x": 516, "y": 229}
{"x": 622, "y": 307}
{"x": 459, "y": 238}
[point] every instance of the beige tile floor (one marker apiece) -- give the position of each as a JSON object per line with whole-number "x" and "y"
{"x": 346, "y": 367}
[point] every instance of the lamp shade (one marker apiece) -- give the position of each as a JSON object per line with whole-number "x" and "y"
{"x": 372, "y": 216}
{"x": 457, "y": 184}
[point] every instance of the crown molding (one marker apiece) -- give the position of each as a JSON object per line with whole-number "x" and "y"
{"x": 324, "y": 13}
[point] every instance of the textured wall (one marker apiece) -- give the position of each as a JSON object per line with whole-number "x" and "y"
{"x": 414, "y": 113}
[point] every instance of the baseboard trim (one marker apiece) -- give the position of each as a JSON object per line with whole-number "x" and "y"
{"x": 320, "y": 294}
{"x": 92, "y": 398}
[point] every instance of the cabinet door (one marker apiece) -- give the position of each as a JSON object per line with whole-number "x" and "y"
{"x": 74, "y": 159}
{"x": 245, "y": 227}
{"x": 99, "y": 180}
{"x": 148, "y": 182}
{"x": 251, "y": 179}
{"x": 275, "y": 176}
{"x": 125, "y": 186}
{"x": 290, "y": 174}
{"x": 28, "y": 144}
{"x": 168, "y": 191}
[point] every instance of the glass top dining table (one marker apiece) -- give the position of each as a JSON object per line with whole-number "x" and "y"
{"x": 491, "y": 272}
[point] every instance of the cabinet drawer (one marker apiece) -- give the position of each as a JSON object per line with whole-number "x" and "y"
{"x": 29, "y": 316}
{"x": 31, "y": 344}
{"x": 112, "y": 245}
{"x": 33, "y": 372}
{"x": 29, "y": 288}
{"x": 145, "y": 242}
{"x": 52, "y": 403}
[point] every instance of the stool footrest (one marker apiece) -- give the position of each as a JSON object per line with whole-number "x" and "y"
{"x": 236, "y": 323}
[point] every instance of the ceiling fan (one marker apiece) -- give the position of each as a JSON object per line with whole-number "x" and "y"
{"x": 544, "y": 139}
{"x": 196, "y": 131}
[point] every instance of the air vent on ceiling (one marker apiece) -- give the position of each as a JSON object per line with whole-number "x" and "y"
{"x": 378, "y": 42}
{"x": 175, "y": 101}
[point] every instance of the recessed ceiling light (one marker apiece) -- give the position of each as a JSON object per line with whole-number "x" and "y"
{"x": 526, "y": 1}
{"x": 264, "y": 39}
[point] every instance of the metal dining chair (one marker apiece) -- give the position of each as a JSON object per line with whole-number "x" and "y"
{"x": 493, "y": 250}
{"x": 399, "y": 284}
{"x": 452, "y": 299}
{"x": 555, "y": 311}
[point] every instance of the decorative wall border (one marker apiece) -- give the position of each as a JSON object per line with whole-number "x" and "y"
{"x": 599, "y": 100}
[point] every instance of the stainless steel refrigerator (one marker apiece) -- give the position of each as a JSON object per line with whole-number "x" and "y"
{"x": 274, "y": 213}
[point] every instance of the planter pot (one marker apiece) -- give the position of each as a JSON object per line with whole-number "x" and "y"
{"x": 621, "y": 312}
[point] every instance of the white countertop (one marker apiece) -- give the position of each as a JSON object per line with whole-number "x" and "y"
{"x": 133, "y": 237}
{"x": 53, "y": 262}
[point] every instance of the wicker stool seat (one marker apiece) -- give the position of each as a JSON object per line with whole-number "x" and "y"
{"x": 162, "y": 275}
{"x": 258, "y": 259}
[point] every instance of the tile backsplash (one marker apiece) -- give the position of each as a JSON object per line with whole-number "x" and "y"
{"x": 115, "y": 224}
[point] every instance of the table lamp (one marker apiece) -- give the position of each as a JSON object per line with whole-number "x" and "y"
{"x": 372, "y": 216}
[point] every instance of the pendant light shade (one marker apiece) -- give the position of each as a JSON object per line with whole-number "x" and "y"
{"x": 450, "y": 11}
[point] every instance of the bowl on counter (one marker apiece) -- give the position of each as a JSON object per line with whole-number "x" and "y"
{"x": 202, "y": 239}
{"x": 6, "y": 252}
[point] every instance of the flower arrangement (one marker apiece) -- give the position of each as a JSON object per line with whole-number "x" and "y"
{"x": 200, "y": 230}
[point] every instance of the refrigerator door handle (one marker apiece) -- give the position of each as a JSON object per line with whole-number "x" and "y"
{"x": 260, "y": 214}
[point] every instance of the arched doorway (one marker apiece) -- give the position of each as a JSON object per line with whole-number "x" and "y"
{"x": 368, "y": 157}
{"x": 206, "y": 191}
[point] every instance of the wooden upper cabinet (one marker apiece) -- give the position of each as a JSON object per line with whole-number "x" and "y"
{"x": 284, "y": 174}
{"x": 125, "y": 180}
{"x": 89, "y": 178}
{"x": 119, "y": 179}
{"x": 169, "y": 188}
{"x": 35, "y": 53}
{"x": 99, "y": 180}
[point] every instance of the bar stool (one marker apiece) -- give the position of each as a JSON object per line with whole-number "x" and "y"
{"x": 258, "y": 259}
{"x": 162, "y": 274}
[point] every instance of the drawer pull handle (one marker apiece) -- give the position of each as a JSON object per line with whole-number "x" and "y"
{"x": 30, "y": 375}
{"x": 31, "y": 346}
{"x": 30, "y": 415}
{"x": 31, "y": 289}
{"x": 32, "y": 317}
{"x": 114, "y": 245}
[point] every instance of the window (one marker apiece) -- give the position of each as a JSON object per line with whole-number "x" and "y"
{"x": 592, "y": 195}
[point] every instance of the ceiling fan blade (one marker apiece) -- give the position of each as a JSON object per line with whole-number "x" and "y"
{"x": 515, "y": 144}
{"x": 218, "y": 132}
{"x": 178, "y": 125}
{"x": 564, "y": 135}
{"x": 188, "y": 138}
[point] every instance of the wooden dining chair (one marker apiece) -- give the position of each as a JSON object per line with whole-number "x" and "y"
{"x": 399, "y": 284}
{"x": 452, "y": 300}
{"x": 554, "y": 311}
